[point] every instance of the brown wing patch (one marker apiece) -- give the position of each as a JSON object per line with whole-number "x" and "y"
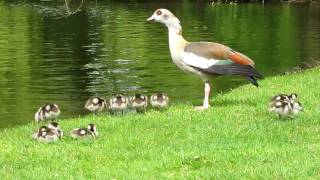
{"x": 240, "y": 58}
{"x": 208, "y": 50}
{"x": 212, "y": 50}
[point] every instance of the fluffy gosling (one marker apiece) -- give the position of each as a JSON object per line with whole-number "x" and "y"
{"x": 96, "y": 104}
{"x": 50, "y": 133}
{"x": 90, "y": 131}
{"x": 159, "y": 100}
{"x": 138, "y": 102}
{"x": 118, "y": 103}
{"x": 285, "y": 108}
{"x": 47, "y": 112}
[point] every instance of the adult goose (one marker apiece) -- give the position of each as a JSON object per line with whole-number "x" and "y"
{"x": 204, "y": 59}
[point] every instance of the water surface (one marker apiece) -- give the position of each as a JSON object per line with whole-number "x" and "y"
{"x": 47, "y": 56}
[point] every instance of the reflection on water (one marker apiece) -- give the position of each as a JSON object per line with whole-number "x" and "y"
{"x": 46, "y": 56}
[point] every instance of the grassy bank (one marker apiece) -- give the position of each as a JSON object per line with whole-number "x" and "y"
{"x": 237, "y": 138}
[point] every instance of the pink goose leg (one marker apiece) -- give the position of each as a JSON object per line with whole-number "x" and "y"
{"x": 206, "y": 104}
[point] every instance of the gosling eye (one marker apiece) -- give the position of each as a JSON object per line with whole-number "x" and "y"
{"x": 159, "y": 12}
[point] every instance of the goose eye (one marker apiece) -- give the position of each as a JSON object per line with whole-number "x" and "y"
{"x": 159, "y": 13}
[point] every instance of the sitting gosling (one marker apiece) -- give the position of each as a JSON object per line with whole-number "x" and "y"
{"x": 95, "y": 104}
{"x": 47, "y": 112}
{"x": 39, "y": 131}
{"x": 159, "y": 100}
{"x": 118, "y": 103}
{"x": 90, "y": 131}
{"x": 54, "y": 126}
{"x": 48, "y": 134}
{"x": 138, "y": 102}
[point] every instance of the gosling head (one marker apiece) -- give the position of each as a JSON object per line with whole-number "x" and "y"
{"x": 293, "y": 96}
{"x": 92, "y": 128}
{"x": 54, "y": 126}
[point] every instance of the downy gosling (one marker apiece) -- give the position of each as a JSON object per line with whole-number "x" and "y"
{"x": 96, "y": 104}
{"x": 90, "y": 131}
{"x": 47, "y": 112}
{"x": 118, "y": 103}
{"x": 48, "y": 134}
{"x": 159, "y": 100}
{"x": 285, "y": 108}
{"x": 138, "y": 102}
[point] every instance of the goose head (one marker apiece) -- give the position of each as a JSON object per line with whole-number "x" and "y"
{"x": 167, "y": 18}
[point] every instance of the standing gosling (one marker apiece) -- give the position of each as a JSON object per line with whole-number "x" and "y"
{"x": 47, "y": 112}
{"x": 285, "y": 108}
{"x": 159, "y": 100}
{"x": 118, "y": 103}
{"x": 138, "y": 102}
{"x": 95, "y": 104}
{"x": 90, "y": 131}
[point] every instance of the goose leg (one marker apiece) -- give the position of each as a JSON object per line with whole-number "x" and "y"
{"x": 206, "y": 104}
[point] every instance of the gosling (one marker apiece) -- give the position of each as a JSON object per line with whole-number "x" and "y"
{"x": 138, "y": 102}
{"x": 47, "y": 112}
{"x": 285, "y": 108}
{"x": 118, "y": 103}
{"x": 159, "y": 100}
{"x": 50, "y": 133}
{"x": 90, "y": 131}
{"x": 96, "y": 104}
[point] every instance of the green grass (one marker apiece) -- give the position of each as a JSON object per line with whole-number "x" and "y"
{"x": 236, "y": 138}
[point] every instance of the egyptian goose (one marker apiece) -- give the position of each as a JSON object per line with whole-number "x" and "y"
{"x": 96, "y": 104}
{"x": 204, "y": 59}
{"x": 47, "y": 112}
{"x": 159, "y": 100}
{"x": 118, "y": 103}
{"x": 90, "y": 131}
{"x": 138, "y": 102}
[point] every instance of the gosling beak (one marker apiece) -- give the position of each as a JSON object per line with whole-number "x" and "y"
{"x": 150, "y": 18}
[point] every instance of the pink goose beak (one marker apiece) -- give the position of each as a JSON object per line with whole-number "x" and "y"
{"x": 150, "y": 18}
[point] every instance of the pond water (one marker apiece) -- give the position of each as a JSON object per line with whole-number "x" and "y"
{"x": 47, "y": 56}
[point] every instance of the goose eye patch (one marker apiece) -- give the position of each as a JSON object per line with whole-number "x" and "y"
{"x": 159, "y": 13}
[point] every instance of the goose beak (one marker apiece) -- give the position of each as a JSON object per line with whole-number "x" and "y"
{"x": 150, "y": 18}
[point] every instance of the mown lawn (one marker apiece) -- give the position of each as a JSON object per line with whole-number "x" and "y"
{"x": 236, "y": 138}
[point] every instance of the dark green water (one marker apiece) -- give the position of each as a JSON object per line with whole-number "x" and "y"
{"x": 46, "y": 56}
